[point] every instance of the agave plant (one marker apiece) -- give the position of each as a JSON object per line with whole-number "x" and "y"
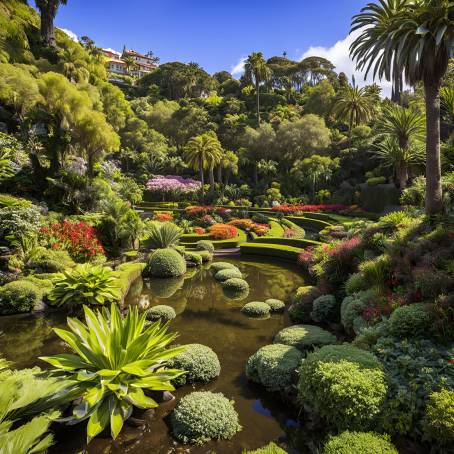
{"x": 163, "y": 235}
{"x": 85, "y": 284}
{"x": 116, "y": 360}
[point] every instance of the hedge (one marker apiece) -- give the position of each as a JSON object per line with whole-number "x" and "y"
{"x": 271, "y": 250}
{"x": 295, "y": 242}
{"x": 308, "y": 223}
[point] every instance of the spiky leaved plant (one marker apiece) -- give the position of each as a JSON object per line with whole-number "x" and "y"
{"x": 116, "y": 359}
{"x": 162, "y": 235}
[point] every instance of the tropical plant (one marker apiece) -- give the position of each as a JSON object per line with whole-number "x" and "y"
{"x": 163, "y": 235}
{"x": 85, "y": 284}
{"x": 6, "y": 169}
{"x": 417, "y": 36}
{"x": 116, "y": 360}
{"x": 130, "y": 63}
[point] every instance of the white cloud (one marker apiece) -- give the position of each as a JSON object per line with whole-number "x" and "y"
{"x": 238, "y": 69}
{"x": 71, "y": 34}
{"x": 338, "y": 54}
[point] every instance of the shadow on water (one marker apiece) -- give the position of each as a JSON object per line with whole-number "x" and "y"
{"x": 206, "y": 316}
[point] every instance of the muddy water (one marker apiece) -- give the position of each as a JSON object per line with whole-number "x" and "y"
{"x": 205, "y": 315}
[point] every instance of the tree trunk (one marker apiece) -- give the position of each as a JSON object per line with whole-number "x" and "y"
{"x": 47, "y": 26}
{"x": 211, "y": 177}
{"x": 202, "y": 181}
{"x": 257, "y": 94}
{"x": 402, "y": 175}
{"x": 226, "y": 177}
{"x": 220, "y": 174}
{"x": 256, "y": 173}
{"x": 398, "y": 84}
{"x": 434, "y": 201}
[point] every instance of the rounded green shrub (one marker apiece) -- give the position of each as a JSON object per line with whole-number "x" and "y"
{"x": 352, "y": 308}
{"x": 274, "y": 366}
{"x": 235, "y": 285}
{"x": 218, "y": 266}
{"x": 344, "y": 385}
{"x": 439, "y": 420}
{"x": 359, "y": 442}
{"x": 271, "y": 448}
{"x": 275, "y": 305}
{"x": 206, "y": 256}
{"x": 324, "y": 309}
{"x": 304, "y": 337}
{"x": 301, "y": 308}
{"x": 166, "y": 263}
{"x": 193, "y": 257}
{"x": 51, "y": 260}
{"x": 228, "y": 273}
{"x": 205, "y": 245}
{"x": 203, "y": 416}
{"x": 355, "y": 283}
{"x": 161, "y": 312}
{"x": 256, "y": 309}
{"x": 412, "y": 320}
{"x": 199, "y": 361}
{"x": 18, "y": 297}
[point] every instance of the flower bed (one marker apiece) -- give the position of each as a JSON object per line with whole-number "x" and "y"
{"x": 301, "y": 208}
{"x": 223, "y": 231}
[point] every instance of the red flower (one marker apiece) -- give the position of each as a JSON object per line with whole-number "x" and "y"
{"x": 451, "y": 361}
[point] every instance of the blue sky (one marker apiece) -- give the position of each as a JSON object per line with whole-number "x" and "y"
{"x": 217, "y": 34}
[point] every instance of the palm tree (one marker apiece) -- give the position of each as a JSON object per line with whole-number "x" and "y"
{"x": 203, "y": 152}
{"x": 353, "y": 105}
{"x": 257, "y": 70}
{"x": 418, "y": 36}
{"x": 129, "y": 62}
{"x": 48, "y": 10}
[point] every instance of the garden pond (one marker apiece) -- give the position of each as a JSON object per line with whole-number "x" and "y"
{"x": 204, "y": 315}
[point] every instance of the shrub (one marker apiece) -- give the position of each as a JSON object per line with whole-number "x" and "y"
{"x": 304, "y": 337}
{"x": 17, "y": 220}
{"x": 78, "y": 238}
{"x": 163, "y": 235}
{"x": 166, "y": 263}
{"x": 342, "y": 387}
{"x": 256, "y": 309}
{"x": 235, "y": 289}
{"x": 206, "y": 256}
{"x": 44, "y": 285}
{"x": 194, "y": 257}
{"x": 202, "y": 416}
{"x": 271, "y": 448}
{"x": 439, "y": 421}
{"x": 324, "y": 309}
{"x": 359, "y": 442}
{"x": 205, "y": 245}
{"x": 51, "y": 261}
{"x": 260, "y": 218}
{"x": 161, "y": 312}
{"x": 301, "y": 307}
{"x": 199, "y": 230}
{"x": 163, "y": 217}
{"x": 274, "y": 366}
{"x": 376, "y": 271}
{"x": 217, "y": 266}
{"x": 352, "y": 308}
{"x": 223, "y": 231}
{"x": 374, "y": 181}
{"x": 275, "y": 305}
{"x": 199, "y": 361}
{"x": 228, "y": 273}
{"x": 18, "y": 297}
{"x": 85, "y": 284}
{"x": 411, "y": 321}
{"x": 136, "y": 355}
{"x": 355, "y": 283}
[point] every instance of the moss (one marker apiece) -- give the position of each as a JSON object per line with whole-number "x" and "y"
{"x": 218, "y": 266}
{"x": 439, "y": 420}
{"x": 325, "y": 309}
{"x": 411, "y": 321}
{"x": 275, "y": 305}
{"x": 274, "y": 366}
{"x": 166, "y": 263}
{"x": 205, "y": 245}
{"x": 19, "y": 297}
{"x": 359, "y": 442}
{"x": 161, "y": 312}
{"x": 228, "y": 273}
{"x": 200, "y": 362}
{"x": 256, "y": 309}
{"x": 271, "y": 448}
{"x": 203, "y": 416}
{"x": 304, "y": 337}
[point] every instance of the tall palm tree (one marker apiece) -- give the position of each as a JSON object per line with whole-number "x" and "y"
{"x": 257, "y": 70}
{"x": 48, "y": 10}
{"x": 418, "y": 35}
{"x": 353, "y": 105}
{"x": 203, "y": 152}
{"x": 129, "y": 62}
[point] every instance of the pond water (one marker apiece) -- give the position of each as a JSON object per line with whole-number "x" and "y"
{"x": 206, "y": 316}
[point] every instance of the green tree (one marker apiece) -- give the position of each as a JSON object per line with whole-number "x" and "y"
{"x": 48, "y": 10}
{"x": 320, "y": 99}
{"x": 130, "y": 63}
{"x": 257, "y": 71}
{"x": 203, "y": 152}
{"x": 418, "y": 36}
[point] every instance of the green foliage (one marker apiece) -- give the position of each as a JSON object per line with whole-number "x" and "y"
{"x": 325, "y": 309}
{"x": 274, "y": 366}
{"x": 194, "y": 257}
{"x": 355, "y": 283}
{"x": 359, "y": 442}
{"x": 275, "y": 305}
{"x": 51, "y": 260}
{"x": 352, "y": 308}
{"x": 235, "y": 288}
{"x": 7, "y": 200}
{"x": 439, "y": 421}
{"x": 218, "y": 266}
{"x": 344, "y": 385}
{"x": 205, "y": 245}
{"x": 271, "y": 448}
{"x": 166, "y": 263}
{"x": 228, "y": 273}
{"x": 111, "y": 384}
{"x": 301, "y": 307}
{"x": 206, "y": 256}
{"x": 199, "y": 361}
{"x": 304, "y": 337}
{"x": 163, "y": 235}
{"x": 256, "y": 309}
{"x": 16, "y": 221}
{"x": 414, "y": 320}
{"x": 85, "y": 284}
{"x": 161, "y": 312}
{"x": 374, "y": 181}
{"x": 18, "y": 297}
{"x": 203, "y": 416}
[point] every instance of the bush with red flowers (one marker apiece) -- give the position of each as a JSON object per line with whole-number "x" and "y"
{"x": 260, "y": 229}
{"x": 163, "y": 217}
{"x": 199, "y": 230}
{"x": 223, "y": 231}
{"x": 244, "y": 224}
{"x": 312, "y": 208}
{"x": 78, "y": 238}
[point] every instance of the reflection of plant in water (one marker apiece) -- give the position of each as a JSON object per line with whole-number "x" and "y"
{"x": 198, "y": 292}
{"x": 165, "y": 287}
{"x": 135, "y": 291}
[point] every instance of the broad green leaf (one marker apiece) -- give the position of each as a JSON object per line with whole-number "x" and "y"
{"x": 98, "y": 421}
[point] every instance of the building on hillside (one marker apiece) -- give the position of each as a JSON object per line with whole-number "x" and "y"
{"x": 143, "y": 64}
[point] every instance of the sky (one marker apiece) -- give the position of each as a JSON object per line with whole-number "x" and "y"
{"x": 219, "y": 34}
